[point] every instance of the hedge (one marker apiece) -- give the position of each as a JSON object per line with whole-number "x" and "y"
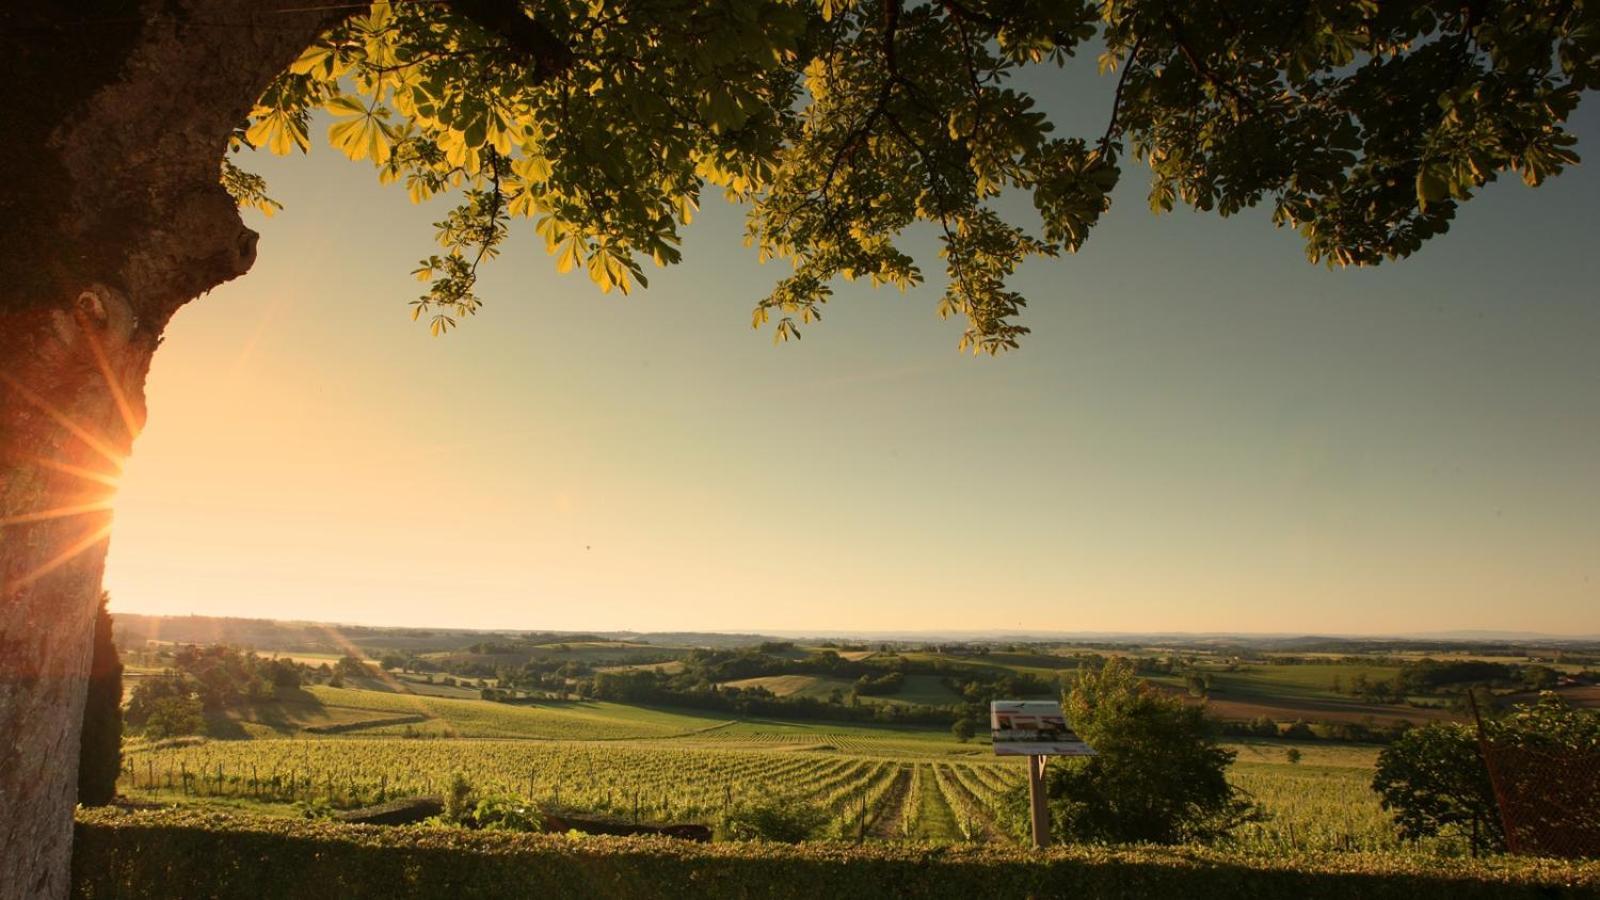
{"x": 342, "y": 727}
{"x": 191, "y": 854}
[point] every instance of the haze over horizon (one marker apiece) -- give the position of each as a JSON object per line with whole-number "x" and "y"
{"x": 1203, "y": 433}
{"x": 1467, "y": 635}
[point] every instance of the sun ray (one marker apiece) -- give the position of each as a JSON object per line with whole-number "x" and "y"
{"x": 88, "y": 474}
{"x": 59, "y": 512}
{"x": 350, "y": 649}
{"x": 62, "y": 558}
{"x": 83, "y": 434}
{"x": 129, "y": 420}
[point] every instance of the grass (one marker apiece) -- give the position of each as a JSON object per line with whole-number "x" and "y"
{"x": 1312, "y": 753}
{"x": 795, "y": 685}
{"x": 678, "y": 765}
{"x": 550, "y": 720}
{"x": 926, "y": 690}
{"x": 1293, "y": 682}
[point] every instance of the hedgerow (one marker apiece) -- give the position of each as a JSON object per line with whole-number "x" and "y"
{"x": 165, "y": 853}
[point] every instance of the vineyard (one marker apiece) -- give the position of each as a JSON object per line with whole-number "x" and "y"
{"x": 866, "y": 796}
{"x": 869, "y": 792}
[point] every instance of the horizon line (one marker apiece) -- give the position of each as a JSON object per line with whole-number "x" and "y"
{"x": 1439, "y": 634}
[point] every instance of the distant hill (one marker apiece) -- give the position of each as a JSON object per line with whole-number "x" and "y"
{"x": 324, "y": 637}
{"x": 330, "y": 637}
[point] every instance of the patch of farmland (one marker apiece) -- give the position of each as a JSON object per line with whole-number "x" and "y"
{"x": 794, "y": 685}
{"x": 546, "y": 721}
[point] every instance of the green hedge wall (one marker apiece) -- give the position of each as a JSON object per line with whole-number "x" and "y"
{"x": 123, "y": 854}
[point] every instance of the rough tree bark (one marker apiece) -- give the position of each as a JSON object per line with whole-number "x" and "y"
{"x": 116, "y": 117}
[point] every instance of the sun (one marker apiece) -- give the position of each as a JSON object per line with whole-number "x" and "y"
{"x": 87, "y": 493}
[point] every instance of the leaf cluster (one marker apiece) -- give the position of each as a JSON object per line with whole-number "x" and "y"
{"x": 1158, "y": 776}
{"x": 841, "y": 124}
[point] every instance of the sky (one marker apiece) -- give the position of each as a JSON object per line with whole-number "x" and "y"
{"x": 1203, "y": 433}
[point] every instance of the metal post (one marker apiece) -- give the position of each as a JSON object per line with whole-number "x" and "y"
{"x": 1038, "y": 804}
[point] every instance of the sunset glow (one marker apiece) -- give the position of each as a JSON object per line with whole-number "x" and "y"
{"x": 1203, "y": 434}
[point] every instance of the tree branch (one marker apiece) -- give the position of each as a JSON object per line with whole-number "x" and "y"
{"x": 1116, "y": 99}
{"x": 546, "y": 53}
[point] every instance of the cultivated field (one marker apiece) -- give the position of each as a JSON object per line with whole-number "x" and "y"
{"x": 877, "y": 783}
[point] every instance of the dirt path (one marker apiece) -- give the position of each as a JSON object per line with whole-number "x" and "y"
{"x": 891, "y": 811}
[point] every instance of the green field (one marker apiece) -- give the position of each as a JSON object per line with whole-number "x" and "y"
{"x": 389, "y": 734}
{"x": 876, "y": 782}
{"x": 923, "y": 690}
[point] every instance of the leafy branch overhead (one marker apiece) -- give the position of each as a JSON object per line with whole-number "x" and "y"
{"x": 839, "y": 124}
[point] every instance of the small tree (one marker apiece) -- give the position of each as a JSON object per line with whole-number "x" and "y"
{"x": 500, "y": 812}
{"x": 174, "y": 717}
{"x": 786, "y": 819}
{"x": 1159, "y": 775}
{"x": 100, "y": 750}
{"x": 1292, "y": 755}
{"x": 963, "y": 729}
{"x": 1434, "y": 782}
{"x": 458, "y": 800}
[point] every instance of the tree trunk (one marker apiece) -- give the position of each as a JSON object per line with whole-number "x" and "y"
{"x": 117, "y": 116}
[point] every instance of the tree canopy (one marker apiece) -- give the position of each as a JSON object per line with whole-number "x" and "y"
{"x": 1158, "y": 774}
{"x": 838, "y": 124}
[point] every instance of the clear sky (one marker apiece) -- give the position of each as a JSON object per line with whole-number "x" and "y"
{"x": 1203, "y": 433}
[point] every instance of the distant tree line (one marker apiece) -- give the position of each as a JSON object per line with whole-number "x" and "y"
{"x": 202, "y": 680}
{"x": 700, "y": 679}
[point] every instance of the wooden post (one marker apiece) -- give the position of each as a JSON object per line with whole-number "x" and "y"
{"x": 1038, "y": 804}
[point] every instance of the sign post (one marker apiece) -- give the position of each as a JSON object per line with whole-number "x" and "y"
{"x": 1038, "y": 730}
{"x": 1038, "y": 805}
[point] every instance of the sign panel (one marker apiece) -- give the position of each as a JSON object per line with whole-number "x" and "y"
{"x": 1033, "y": 728}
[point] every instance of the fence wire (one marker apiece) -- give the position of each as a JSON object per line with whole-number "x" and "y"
{"x": 1548, "y": 795}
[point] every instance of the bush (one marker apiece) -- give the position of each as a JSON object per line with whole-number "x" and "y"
{"x": 1434, "y": 782}
{"x": 1158, "y": 776}
{"x": 785, "y": 819}
{"x": 502, "y": 813}
{"x": 152, "y": 854}
{"x": 963, "y": 730}
{"x": 458, "y": 801}
{"x": 169, "y": 717}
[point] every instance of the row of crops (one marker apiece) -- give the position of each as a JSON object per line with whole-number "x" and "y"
{"x": 871, "y": 797}
{"x": 866, "y": 797}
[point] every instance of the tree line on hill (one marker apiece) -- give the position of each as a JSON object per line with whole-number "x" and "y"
{"x": 700, "y": 679}
{"x": 201, "y": 681}
{"x": 1430, "y": 677}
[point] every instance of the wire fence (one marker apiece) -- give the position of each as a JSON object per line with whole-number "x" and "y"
{"x": 1549, "y": 798}
{"x": 1548, "y": 792}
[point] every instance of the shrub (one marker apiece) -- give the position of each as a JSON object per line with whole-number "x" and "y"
{"x": 785, "y": 819}
{"x": 152, "y": 854}
{"x": 963, "y": 729}
{"x": 502, "y": 813}
{"x": 173, "y": 717}
{"x": 1158, "y": 776}
{"x": 1435, "y": 782}
{"x": 458, "y": 801}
